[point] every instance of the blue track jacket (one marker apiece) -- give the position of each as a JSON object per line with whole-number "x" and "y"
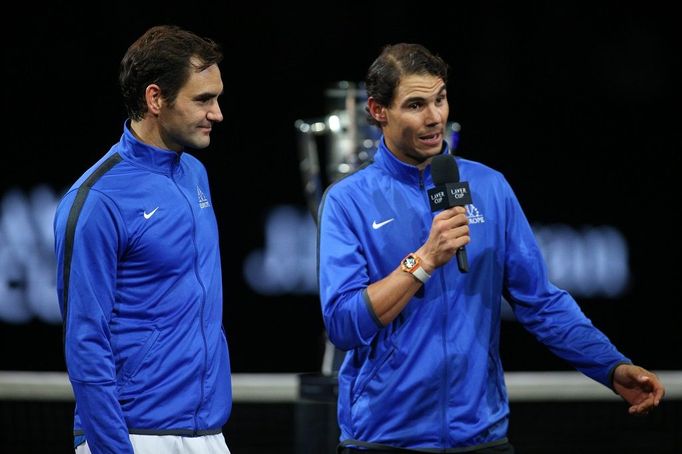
{"x": 432, "y": 378}
{"x": 140, "y": 290}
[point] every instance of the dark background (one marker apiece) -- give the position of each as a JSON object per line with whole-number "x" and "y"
{"x": 577, "y": 105}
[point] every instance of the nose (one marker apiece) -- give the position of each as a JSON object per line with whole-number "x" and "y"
{"x": 215, "y": 114}
{"x": 434, "y": 115}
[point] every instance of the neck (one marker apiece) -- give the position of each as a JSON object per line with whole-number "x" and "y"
{"x": 147, "y": 131}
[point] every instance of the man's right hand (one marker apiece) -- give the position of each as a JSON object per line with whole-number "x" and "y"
{"x": 449, "y": 232}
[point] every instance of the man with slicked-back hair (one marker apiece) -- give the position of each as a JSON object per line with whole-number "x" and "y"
{"x": 422, "y": 372}
{"x": 139, "y": 273}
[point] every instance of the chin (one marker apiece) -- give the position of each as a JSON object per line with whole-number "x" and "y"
{"x": 432, "y": 151}
{"x": 200, "y": 144}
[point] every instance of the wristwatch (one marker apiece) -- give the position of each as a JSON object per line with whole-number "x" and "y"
{"x": 413, "y": 264}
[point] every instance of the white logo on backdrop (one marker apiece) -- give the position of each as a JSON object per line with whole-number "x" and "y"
{"x": 27, "y": 260}
{"x": 590, "y": 261}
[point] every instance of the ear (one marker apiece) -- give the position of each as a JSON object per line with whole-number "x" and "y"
{"x": 376, "y": 110}
{"x": 154, "y": 100}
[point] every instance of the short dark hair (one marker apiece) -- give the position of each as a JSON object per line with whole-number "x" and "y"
{"x": 163, "y": 55}
{"x": 395, "y": 62}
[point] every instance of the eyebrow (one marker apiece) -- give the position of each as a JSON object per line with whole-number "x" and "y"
{"x": 421, "y": 98}
{"x": 207, "y": 95}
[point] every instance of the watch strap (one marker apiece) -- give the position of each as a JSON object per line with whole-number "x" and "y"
{"x": 412, "y": 264}
{"x": 421, "y": 275}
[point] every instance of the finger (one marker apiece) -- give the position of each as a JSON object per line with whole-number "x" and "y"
{"x": 456, "y": 221}
{"x": 461, "y": 235}
{"x": 646, "y": 405}
{"x": 641, "y": 409}
{"x": 659, "y": 392}
{"x": 643, "y": 378}
{"x": 458, "y": 235}
{"x": 450, "y": 212}
{"x": 644, "y": 382}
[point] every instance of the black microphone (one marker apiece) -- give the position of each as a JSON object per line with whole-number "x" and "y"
{"x": 449, "y": 192}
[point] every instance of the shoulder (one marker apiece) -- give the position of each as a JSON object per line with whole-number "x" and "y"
{"x": 359, "y": 179}
{"x": 478, "y": 169}
{"x": 194, "y": 166}
{"x": 85, "y": 209}
{"x": 99, "y": 169}
{"x": 191, "y": 161}
{"x": 349, "y": 191}
{"x": 481, "y": 173}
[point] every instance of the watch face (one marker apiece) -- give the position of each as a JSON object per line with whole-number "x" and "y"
{"x": 409, "y": 262}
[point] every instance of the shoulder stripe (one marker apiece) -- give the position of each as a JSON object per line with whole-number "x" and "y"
{"x": 72, "y": 220}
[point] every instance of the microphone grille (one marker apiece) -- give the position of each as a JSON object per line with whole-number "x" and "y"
{"x": 444, "y": 169}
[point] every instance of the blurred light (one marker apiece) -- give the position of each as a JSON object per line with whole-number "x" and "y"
{"x": 588, "y": 262}
{"x": 302, "y": 126}
{"x": 288, "y": 263}
{"x": 334, "y": 123}
{"x": 28, "y": 285}
{"x": 318, "y": 127}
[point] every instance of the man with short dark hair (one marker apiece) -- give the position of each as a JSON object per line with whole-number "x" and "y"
{"x": 422, "y": 371}
{"x": 139, "y": 274}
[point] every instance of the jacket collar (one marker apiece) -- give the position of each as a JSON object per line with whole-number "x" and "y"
{"x": 400, "y": 170}
{"x": 145, "y": 155}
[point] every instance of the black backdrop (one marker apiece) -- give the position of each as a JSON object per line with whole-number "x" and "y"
{"x": 578, "y": 106}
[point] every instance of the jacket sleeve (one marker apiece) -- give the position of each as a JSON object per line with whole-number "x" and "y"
{"x": 343, "y": 279}
{"x": 549, "y": 313}
{"x": 89, "y": 239}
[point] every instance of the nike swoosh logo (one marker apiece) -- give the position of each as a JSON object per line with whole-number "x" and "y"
{"x": 148, "y": 215}
{"x": 378, "y": 225}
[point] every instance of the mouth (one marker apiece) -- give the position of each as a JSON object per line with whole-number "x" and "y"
{"x": 431, "y": 139}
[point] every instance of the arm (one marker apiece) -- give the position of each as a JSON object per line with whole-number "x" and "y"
{"x": 449, "y": 232}
{"x": 87, "y": 289}
{"x": 549, "y": 313}
{"x": 639, "y": 387}
{"x": 354, "y": 309}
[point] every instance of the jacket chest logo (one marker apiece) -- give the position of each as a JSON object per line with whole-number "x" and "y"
{"x": 474, "y": 215}
{"x": 203, "y": 201}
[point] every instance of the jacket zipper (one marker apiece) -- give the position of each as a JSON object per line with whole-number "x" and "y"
{"x": 203, "y": 302}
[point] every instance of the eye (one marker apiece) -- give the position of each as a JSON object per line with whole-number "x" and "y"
{"x": 206, "y": 99}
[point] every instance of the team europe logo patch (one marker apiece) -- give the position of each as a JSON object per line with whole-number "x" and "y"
{"x": 474, "y": 215}
{"x": 203, "y": 201}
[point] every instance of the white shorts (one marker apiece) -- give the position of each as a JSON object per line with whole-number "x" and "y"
{"x": 172, "y": 444}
